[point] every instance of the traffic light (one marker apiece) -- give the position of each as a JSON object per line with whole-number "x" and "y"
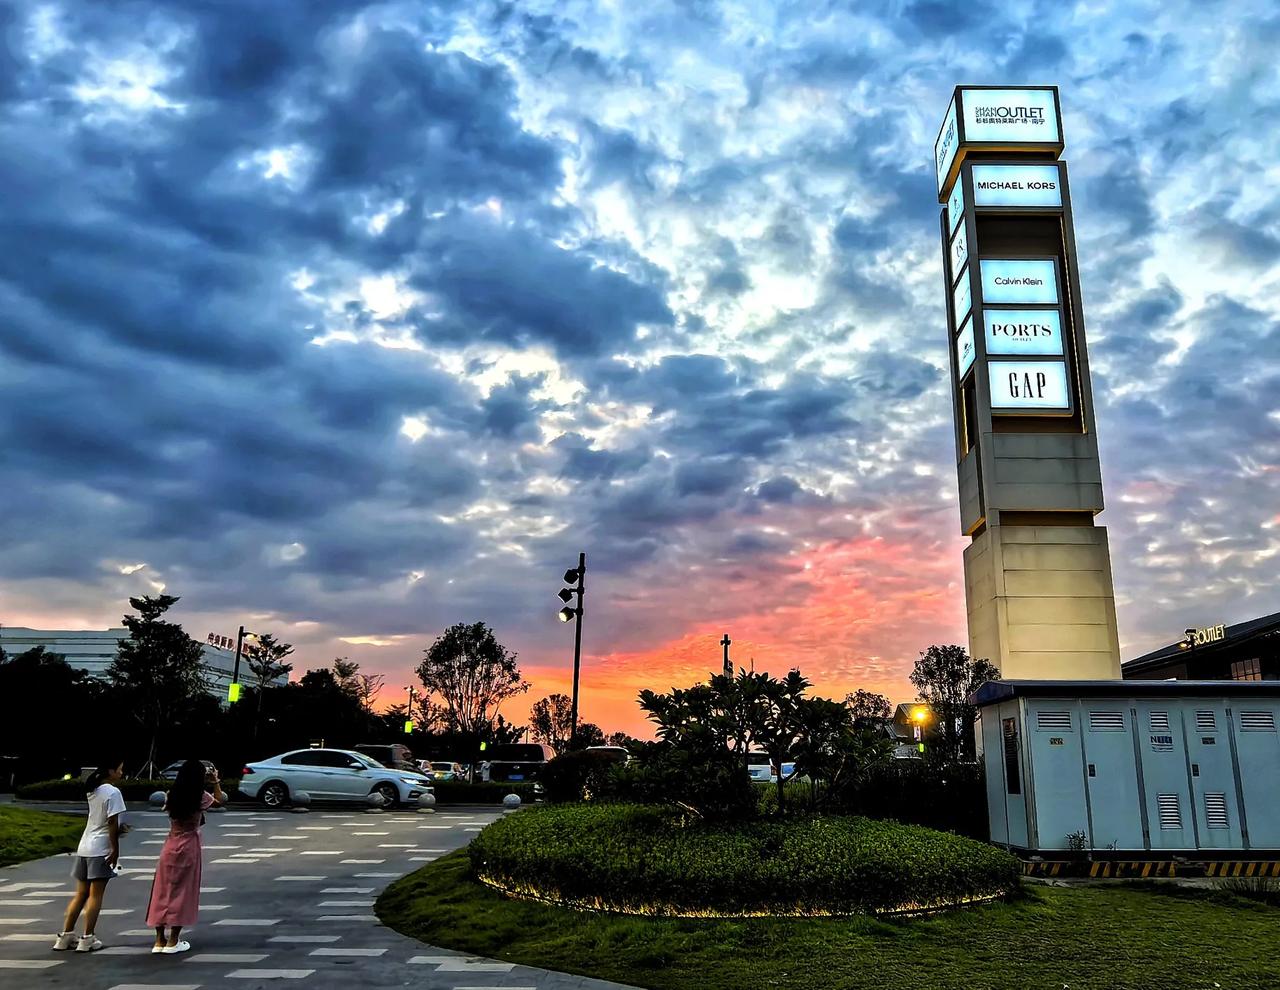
{"x": 233, "y": 693}
{"x": 408, "y": 725}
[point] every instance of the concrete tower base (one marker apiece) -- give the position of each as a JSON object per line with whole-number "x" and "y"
{"x": 1041, "y": 603}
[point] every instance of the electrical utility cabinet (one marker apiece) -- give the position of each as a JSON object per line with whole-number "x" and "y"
{"x": 1159, "y": 767}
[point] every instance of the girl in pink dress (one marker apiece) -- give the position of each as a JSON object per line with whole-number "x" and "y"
{"x": 175, "y": 892}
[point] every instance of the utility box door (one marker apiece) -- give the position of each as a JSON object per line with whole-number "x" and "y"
{"x": 1213, "y": 781}
{"x": 1162, "y": 746}
{"x": 1258, "y": 748}
{"x": 1111, "y": 775}
{"x": 1053, "y": 741}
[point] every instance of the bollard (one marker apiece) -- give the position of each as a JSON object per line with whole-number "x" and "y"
{"x": 511, "y": 802}
{"x": 301, "y": 802}
{"x": 157, "y": 799}
{"x": 375, "y": 803}
{"x": 427, "y": 804}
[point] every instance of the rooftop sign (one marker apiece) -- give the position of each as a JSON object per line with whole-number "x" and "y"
{"x": 987, "y": 118}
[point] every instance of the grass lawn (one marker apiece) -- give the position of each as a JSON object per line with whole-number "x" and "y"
{"x": 28, "y": 834}
{"x": 1095, "y": 938}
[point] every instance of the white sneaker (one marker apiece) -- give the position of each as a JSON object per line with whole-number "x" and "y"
{"x": 64, "y": 941}
{"x": 173, "y": 950}
{"x": 89, "y": 943}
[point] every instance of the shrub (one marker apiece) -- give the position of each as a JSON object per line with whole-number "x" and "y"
{"x": 697, "y": 775}
{"x": 579, "y": 776}
{"x": 952, "y": 798}
{"x": 481, "y": 792}
{"x": 652, "y": 860}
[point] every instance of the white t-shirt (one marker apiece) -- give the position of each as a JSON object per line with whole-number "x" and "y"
{"x": 103, "y": 803}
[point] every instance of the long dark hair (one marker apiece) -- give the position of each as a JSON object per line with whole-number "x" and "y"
{"x": 99, "y": 776}
{"x": 187, "y": 791}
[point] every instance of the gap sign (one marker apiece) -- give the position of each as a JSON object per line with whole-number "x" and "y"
{"x": 1028, "y": 385}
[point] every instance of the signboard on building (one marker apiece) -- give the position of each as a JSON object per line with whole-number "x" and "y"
{"x": 955, "y": 206}
{"x": 1031, "y": 332}
{"x": 959, "y": 252}
{"x": 1011, "y": 116}
{"x": 962, "y": 298}
{"x": 1028, "y": 385}
{"x": 1022, "y": 281}
{"x": 965, "y": 352}
{"x": 944, "y": 149}
{"x": 1017, "y": 185}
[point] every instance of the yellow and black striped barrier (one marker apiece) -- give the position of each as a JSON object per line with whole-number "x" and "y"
{"x": 1139, "y": 869}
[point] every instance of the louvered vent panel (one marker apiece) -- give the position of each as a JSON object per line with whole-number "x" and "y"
{"x": 1170, "y": 812}
{"x": 1205, "y": 722}
{"x": 1159, "y": 721}
{"x": 1215, "y": 810}
{"x": 1106, "y": 721}
{"x": 1054, "y": 721}
{"x": 1258, "y": 721}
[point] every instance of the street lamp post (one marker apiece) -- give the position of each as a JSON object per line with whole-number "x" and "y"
{"x": 233, "y": 692}
{"x": 577, "y": 577}
{"x": 408, "y": 712}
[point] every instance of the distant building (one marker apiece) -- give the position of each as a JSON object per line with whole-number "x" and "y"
{"x": 1247, "y": 651}
{"x": 904, "y": 727}
{"x": 93, "y": 650}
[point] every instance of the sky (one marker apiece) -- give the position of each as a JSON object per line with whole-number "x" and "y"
{"x": 348, "y": 322}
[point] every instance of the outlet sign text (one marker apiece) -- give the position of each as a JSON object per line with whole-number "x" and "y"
{"x": 1016, "y": 185}
{"x": 1010, "y": 116}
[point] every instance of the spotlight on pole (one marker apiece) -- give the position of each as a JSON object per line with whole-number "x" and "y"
{"x": 567, "y": 613}
{"x": 575, "y": 576}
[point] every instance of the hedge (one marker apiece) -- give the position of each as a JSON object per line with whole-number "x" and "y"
{"x": 73, "y": 790}
{"x": 641, "y": 859}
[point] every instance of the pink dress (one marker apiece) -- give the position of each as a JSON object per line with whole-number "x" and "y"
{"x": 175, "y": 891}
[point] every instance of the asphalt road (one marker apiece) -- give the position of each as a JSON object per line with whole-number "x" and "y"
{"x": 286, "y": 901}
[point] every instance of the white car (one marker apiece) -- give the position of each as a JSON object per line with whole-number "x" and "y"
{"x": 329, "y": 775}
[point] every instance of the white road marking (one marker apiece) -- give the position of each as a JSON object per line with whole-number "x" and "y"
{"x": 138, "y": 933}
{"x": 372, "y": 876}
{"x": 239, "y": 859}
{"x": 423, "y": 859}
{"x": 286, "y": 838}
{"x": 227, "y": 957}
{"x": 248, "y": 922}
{"x": 321, "y": 852}
{"x": 305, "y": 939}
{"x": 273, "y": 849}
{"x": 470, "y": 966}
{"x": 212, "y": 890}
{"x": 25, "y": 937}
{"x": 347, "y": 952}
{"x": 222, "y": 848}
{"x": 347, "y": 917}
{"x": 215, "y": 907}
{"x": 18, "y": 921}
{"x": 269, "y": 974}
{"x": 150, "y": 857}
{"x": 23, "y": 902}
{"x": 29, "y": 963}
{"x": 333, "y": 904}
{"x": 370, "y": 833}
{"x": 109, "y": 911}
{"x": 364, "y": 862}
{"x": 315, "y": 828}
{"x": 156, "y": 986}
{"x": 395, "y": 845}
{"x": 125, "y": 950}
{"x": 286, "y": 877}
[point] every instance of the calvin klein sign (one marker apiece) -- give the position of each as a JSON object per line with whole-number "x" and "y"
{"x": 1023, "y": 331}
{"x": 1016, "y": 185}
{"x": 1029, "y": 281}
{"x": 965, "y": 352}
{"x": 1010, "y": 116}
{"x": 1028, "y": 385}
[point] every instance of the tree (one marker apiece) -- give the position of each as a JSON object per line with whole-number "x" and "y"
{"x": 34, "y": 684}
{"x": 344, "y": 672}
{"x": 472, "y": 673}
{"x": 551, "y": 720}
{"x": 589, "y": 734}
{"x": 157, "y": 669}
{"x": 868, "y": 708}
{"x": 619, "y": 739}
{"x": 944, "y": 677}
{"x": 367, "y": 688}
{"x": 266, "y": 662}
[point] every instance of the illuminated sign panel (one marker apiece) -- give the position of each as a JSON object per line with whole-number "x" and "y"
{"x": 962, "y": 298}
{"x": 1030, "y": 281}
{"x": 964, "y": 349}
{"x": 955, "y": 205}
{"x": 1016, "y": 185}
{"x": 944, "y": 149}
{"x": 1010, "y": 116}
{"x": 1028, "y": 385}
{"x": 959, "y": 251}
{"x": 1023, "y": 331}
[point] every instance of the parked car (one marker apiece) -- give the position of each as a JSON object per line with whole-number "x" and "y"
{"x": 444, "y": 771}
{"x": 615, "y": 754}
{"x": 395, "y": 756}
{"x": 518, "y": 761}
{"x": 171, "y": 771}
{"x": 761, "y": 769}
{"x": 329, "y": 775}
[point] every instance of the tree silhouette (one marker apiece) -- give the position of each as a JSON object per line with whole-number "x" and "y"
{"x": 472, "y": 673}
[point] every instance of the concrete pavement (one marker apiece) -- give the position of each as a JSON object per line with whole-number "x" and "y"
{"x": 287, "y": 901}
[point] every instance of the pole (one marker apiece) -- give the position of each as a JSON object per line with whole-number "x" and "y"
{"x": 728, "y": 667}
{"x": 235, "y": 673}
{"x": 577, "y": 646}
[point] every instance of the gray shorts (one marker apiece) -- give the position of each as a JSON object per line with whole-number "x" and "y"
{"x": 91, "y": 868}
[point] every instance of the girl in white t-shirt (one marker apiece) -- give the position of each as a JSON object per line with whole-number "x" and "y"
{"x": 97, "y": 857}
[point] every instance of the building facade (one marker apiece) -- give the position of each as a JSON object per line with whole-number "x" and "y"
{"x": 92, "y": 651}
{"x": 1246, "y": 651}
